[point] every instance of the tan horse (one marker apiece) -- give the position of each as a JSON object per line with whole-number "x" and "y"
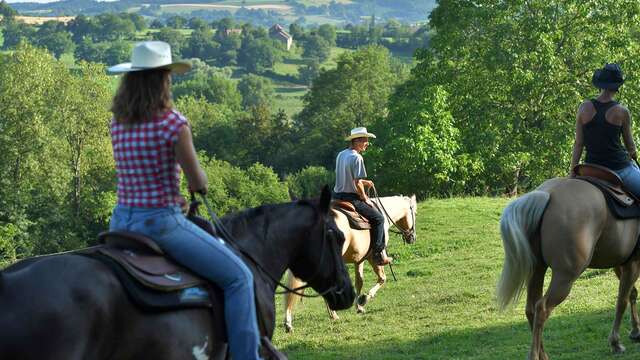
{"x": 565, "y": 224}
{"x": 402, "y": 211}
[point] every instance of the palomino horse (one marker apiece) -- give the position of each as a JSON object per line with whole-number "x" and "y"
{"x": 565, "y": 224}
{"x": 72, "y": 307}
{"x": 402, "y": 212}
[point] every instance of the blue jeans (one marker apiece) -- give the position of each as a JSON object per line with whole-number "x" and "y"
{"x": 630, "y": 176}
{"x": 208, "y": 257}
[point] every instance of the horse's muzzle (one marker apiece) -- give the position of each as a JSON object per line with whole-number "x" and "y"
{"x": 342, "y": 297}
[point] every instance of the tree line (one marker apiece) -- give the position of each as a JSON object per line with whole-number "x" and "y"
{"x": 488, "y": 109}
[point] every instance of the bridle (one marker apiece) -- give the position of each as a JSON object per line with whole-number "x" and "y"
{"x": 222, "y": 230}
{"x": 411, "y": 233}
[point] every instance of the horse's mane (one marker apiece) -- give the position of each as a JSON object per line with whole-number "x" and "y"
{"x": 246, "y": 219}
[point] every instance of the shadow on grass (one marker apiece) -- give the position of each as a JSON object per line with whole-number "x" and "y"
{"x": 290, "y": 90}
{"x": 295, "y": 61}
{"x": 573, "y": 336}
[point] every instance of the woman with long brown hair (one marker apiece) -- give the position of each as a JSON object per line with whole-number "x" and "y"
{"x": 152, "y": 143}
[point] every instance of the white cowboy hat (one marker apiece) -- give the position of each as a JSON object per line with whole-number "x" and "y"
{"x": 358, "y": 133}
{"x": 149, "y": 55}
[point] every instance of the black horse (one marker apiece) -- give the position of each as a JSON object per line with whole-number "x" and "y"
{"x": 71, "y": 307}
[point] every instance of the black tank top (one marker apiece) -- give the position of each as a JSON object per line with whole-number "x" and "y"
{"x": 602, "y": 139}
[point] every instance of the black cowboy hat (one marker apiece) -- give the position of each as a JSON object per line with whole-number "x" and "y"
{"x": 609, "y": 77}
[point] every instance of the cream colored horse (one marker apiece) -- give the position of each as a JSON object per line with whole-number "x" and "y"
{"x": 402, "y": 211}
{"x": 565, "y": 225}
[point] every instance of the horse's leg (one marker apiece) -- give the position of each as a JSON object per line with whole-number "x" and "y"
{"x": 559, "y": 289}
{"x": 628, "y": 276}
{"x": 359, "y": 281}
{"x": 634, "y": 335}
{"x": 534, "y": 292}
{"x": 382, "y": 278}
{"x": 290, "y": 300}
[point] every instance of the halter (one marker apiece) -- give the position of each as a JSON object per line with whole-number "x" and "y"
{"x": 227, "y": 236}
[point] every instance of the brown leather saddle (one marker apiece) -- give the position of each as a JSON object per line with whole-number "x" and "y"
{"x": 621, "y": 203}
{"x": 607, "y": 180}
{"x": 356, "y": 221}
{"x": 141, "y": 257}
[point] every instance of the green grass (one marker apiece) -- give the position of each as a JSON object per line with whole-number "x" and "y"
{"x": 442, "y": 306}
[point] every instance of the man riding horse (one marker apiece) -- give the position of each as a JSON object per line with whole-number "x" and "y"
{"x": 350, "y": 186}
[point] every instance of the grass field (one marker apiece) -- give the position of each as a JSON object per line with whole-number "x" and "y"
{"x": 442, "y": 306}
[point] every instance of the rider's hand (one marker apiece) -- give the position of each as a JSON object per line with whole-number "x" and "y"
{"x": 369, "y": 202}
{"x": 202, "y": 191}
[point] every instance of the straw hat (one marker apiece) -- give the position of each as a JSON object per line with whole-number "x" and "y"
{"x": 149, "y": 55}
{"x": 358, "y": 133}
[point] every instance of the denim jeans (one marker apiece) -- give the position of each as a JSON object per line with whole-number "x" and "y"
{"x": 630, "y": 176}
{"x": 372, "y": 214}
{"x": 206, "y": 256}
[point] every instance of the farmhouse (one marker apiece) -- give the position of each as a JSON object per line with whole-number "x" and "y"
{"x": 278, "y": 33}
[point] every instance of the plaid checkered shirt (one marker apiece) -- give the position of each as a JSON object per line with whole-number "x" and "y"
{"x": 147, "y": 170}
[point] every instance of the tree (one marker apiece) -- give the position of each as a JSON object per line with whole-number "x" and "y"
{"x": 201, "y": 45}
{"x": 176, "y": 22}
{"x": 316, "y": 47}
{"x": 6, "y": 10}
{"x": 514, "y": 74}
{"x": 257, "y": 55}
{"x": 174, "y": 38}
{"x": 112, "y": 27}
{"x": 296, "y": 31}
{"x": 354, "y": 94}
{"x": 52, "y": 36}
{"x": 215, "y": 89}
{"x": 56, "y": 172}
{"x": 81, "y": 26}
{"x": 15, "y": 32}
{"x": 328, "y": 33}
{"x": 308, "y": 182}
{"x": 197, "y": 23}
{"x": 117, "y": 52}
{"x": 256, "y": 90}
{"x": 309, "y": 72}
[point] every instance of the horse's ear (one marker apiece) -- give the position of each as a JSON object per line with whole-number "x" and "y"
{"x": 325, "y": 199}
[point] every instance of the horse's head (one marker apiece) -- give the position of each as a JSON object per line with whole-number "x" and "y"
{"x": 318, "y": 260}
{"x": 407, "y": 223}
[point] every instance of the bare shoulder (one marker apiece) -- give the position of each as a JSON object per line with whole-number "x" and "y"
{"x": 622, "y": 110}
{"x": 586, "y": 111}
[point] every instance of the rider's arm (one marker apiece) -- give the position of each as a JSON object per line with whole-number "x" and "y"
{"x": 188, "y": 160}
{"x": 362, "y": 194}
{"x": 578, "y": 143}
{"x": 626, "y": 134}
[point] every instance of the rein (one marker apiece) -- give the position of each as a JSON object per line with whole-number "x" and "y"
{"x": 222, "y": 230}
{"x": 401, "y": 231}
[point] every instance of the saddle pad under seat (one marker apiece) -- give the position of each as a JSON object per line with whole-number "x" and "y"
{"x": 618, "y": 210}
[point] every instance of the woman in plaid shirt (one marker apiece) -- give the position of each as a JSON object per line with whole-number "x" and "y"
{"x": 151, "y": 144}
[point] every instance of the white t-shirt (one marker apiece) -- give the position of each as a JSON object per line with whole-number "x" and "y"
{"x": 349, "y": 167}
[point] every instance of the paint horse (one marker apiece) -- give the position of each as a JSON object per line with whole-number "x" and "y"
{"x": 73, "y": 307}
{"x": 566, "y": 225}
{"x": 398, "y": 210}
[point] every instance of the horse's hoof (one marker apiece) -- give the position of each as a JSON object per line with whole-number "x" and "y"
{"x": 288, "y": 328}
{"x": 362, "y": 300}
{"x": 617, "y": 349}
{"x": 634, "y": 335}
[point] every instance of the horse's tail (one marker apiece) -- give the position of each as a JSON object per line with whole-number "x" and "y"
{"x": 518, "y": 223}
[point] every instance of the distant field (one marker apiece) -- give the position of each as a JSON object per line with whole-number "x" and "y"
{"x": 37, "y": 20}
{"x": 223, "y": 6}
